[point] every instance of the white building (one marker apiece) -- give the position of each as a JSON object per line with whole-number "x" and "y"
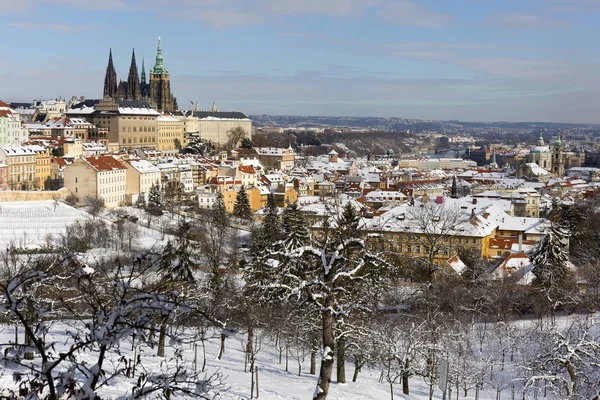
{"x": 12, "y": 131}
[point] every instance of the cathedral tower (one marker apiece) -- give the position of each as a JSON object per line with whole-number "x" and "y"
{"x": 143, "y": 84}
{"x": 160, "y": 84}
{"x": 133, "y": 81}
{"x": 110, "y": 79}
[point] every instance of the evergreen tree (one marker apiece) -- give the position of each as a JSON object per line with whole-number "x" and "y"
{"x": 141, "y": 201}
{"x": 550, "y": 257}
{"x": 270, "y": 230}
{"x": 175, "y": 260}
{"x": 295, "y": 231}
{"x": 241, "y": 208}
{"x": 155, "y": 201}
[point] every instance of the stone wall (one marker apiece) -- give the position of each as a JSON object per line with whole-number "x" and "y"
{"x": 18, "y": 195}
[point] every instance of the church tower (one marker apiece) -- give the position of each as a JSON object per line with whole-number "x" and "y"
{"x": 160, "y": 84}
{"x": 143, "y": 84}
{"x": 133, "y": 81}
{"x": 558, "y": 166}
{"x": 110, "y": 79}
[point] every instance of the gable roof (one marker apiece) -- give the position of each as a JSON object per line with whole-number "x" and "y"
{"x": 104, "y": 163}
{"x": 246, "y": 169}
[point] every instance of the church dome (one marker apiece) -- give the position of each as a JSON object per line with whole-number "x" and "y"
{"x": 541, "y": 150}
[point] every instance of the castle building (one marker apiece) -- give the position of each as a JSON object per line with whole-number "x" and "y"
{"x": 157, "y": 92}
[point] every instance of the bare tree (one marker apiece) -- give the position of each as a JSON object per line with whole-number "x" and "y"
{"x": 234, "y": 136}
{"x": 433, "y": 226}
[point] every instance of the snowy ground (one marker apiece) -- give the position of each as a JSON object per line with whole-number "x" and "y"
{"x": 35, "y": 223}
{"x": 274, "y": 382}
{"x": 32, "y": 224}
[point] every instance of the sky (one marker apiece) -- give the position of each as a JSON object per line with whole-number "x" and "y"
{"x": 470, "y": 60}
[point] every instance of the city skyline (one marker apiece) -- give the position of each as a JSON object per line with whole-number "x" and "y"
{"x": 470, "y": 60}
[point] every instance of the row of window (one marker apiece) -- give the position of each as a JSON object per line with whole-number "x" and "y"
{"x": 142, "y": 129}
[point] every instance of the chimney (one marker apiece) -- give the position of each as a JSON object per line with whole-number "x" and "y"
{"x": 474, "y": 201}
{"x": 520, "y": 242}
{"x": 473, "y": 212}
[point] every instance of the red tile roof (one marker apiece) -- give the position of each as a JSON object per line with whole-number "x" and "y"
{"x": 3, "y": 104}
{"x": 247, "y": 169}
{"x": 506, "y": 243}
{"x": 104, "y": 163}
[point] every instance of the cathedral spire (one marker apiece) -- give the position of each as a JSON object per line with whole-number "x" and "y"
{"x": 143, "y": 83}
{"x": 110, "y": 79}
{"x": 133, "y": 81}
{"x": 159, "y": 68}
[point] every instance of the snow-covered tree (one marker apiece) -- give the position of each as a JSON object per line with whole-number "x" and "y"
{"x": 241, "y": 208}
{"x": 331, "y": 273}
{"x": 110, "y": 309}
{"x": 141, "y": 201}
{"x": 269, "y": 231}
{"x": 550, "y": 257}
{"x": 155, "y": 201}
{"x": 565, "y": 360}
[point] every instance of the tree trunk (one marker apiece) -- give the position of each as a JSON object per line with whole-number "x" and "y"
{"x": 222, "y": 349}
{"x": 161, "y": 337}
{"x": 341, "y": 360}
{"x": 356, "y": 370}
{"x": 249, "y": 350}
{"x": 313, "y": 362}
{"x": 405, "y": 376}
{"x": 328, "y": 345}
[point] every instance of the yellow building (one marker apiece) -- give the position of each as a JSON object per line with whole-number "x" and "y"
{"x": 277, "y": 158}
{"x": 42, "y": 166}
{"x": 170, "y": 134}
{"x": 100, "y": 177}
{"x": 21, "y": 162}
{"x": 489, "y": 232}
{"x": 141, "y": 175}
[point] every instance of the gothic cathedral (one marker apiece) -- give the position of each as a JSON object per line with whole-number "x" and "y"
{"x": 157, "y": 93}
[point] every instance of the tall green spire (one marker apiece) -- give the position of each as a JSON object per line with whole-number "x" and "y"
{"x": 159, "y": 67}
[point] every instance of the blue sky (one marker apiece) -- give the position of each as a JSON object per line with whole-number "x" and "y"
{"x": 478, "y": 60}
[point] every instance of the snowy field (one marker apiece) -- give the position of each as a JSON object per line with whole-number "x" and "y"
{"x": 275, "y": 382}
{"x": 31, "y": 224}
{"x": 35, "y": 223}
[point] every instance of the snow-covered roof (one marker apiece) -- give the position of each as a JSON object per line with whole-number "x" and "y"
{"x": 18, "y": 150}
{"x": 537, "y": 170}
{"x": 143, "y": 166}
{"x": 457, "y": 265}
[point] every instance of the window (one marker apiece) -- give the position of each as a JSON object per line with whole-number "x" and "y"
{"x": 409, "y": 248}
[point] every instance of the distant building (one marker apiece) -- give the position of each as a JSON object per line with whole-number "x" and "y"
{"x": 12, "y": 131}
{"x": 21, "y": 162}
{"x": 101, "y": 177}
